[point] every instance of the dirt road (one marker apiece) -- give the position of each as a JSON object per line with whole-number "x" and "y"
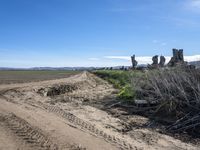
{"x": 53, "y": 115}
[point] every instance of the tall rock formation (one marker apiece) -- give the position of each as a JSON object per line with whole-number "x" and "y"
{"x": 134, "y": 62}
{"x": 177, "y": 59}
{"x": 162, "y": 61}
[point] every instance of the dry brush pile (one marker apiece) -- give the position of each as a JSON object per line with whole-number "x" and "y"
{"x": 177, "y": 93}
{"x": 172, "y": 94}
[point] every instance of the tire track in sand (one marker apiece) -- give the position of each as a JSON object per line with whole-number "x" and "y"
{"x": 31, "y": 135}
{"x": 83, "y": 125}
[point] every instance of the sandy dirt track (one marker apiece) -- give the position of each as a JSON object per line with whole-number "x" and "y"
{"x": 53, "y": 115}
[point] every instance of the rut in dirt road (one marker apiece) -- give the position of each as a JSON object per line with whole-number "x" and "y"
{"x": 27, "y": 133}
{"x": 122, "y": 144}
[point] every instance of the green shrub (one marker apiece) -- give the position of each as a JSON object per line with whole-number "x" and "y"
{"x": 127, "y": 93}
{"x": 121, "y": 80}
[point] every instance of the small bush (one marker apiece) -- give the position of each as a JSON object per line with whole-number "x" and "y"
{"x": 127, "y": 93}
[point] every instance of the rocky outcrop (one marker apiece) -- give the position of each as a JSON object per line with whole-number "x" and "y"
{"x": 177, "y": 59}
{"x": 155, "y": 62}
{"x": 162, "y": 61}
{"x": 134, "y": 62}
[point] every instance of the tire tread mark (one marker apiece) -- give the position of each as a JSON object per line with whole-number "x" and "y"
{"x": 29, "y": 134}
{"x": 121, "y": 143}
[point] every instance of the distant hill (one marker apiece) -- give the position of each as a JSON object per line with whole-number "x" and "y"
{"x": 196, "y": 63}
{"x": 63, "y": 68}
{"x": 50, "y": 68}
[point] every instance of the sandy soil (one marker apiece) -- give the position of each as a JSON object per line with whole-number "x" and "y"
{"x": 57, "y": 114}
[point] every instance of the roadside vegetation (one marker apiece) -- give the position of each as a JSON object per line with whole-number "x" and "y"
{"x": 175, "y": 91}
{"x": 122, "y": 80}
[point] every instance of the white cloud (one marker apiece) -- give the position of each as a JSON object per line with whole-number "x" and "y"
{"x": 118, "y": 57}
{"x": 193, "y": 5}
{"x": 163, "y": 44}
{"x": 192, "y": 58}
{"x": 93, "y": 59}
{"x": 148, "y": 59}
{"x": 155, "y": 41}
{"x": 159, "y": 42}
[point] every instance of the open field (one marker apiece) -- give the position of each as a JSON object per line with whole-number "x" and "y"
{"x": 74, "y": 113}
{"x": 7, "y": 77}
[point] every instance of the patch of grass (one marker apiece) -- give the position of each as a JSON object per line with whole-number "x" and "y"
{"x": 127, "y": 93}
{"x": 121, "y": 80}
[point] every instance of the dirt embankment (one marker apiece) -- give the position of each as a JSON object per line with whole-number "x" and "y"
{"x": 60, "y": 114}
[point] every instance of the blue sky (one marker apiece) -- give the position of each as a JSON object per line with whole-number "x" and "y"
{"x": 95, "y": 32}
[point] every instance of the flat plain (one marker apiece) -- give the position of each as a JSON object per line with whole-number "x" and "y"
{"x": 22, "y": 76}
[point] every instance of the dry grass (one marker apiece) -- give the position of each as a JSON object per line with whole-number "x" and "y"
{"x": 177, "y": 93}
{"x": 176, "y": 90}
